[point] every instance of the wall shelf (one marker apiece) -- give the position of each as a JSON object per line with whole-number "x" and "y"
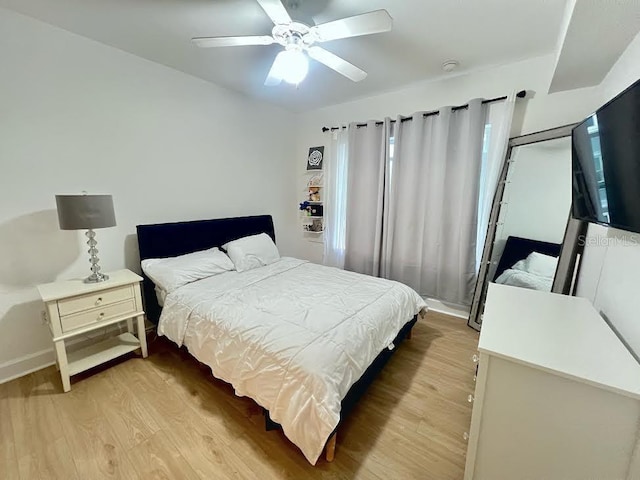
{"x": 314, "y": 203}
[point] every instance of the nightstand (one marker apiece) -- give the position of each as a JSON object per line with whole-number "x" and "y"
{"x": 75, "y": 308}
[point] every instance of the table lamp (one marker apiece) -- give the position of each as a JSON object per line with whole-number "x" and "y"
{"x": 80, "y": 212}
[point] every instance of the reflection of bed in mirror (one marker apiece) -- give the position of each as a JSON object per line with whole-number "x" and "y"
{"x": 529, "y": 218}
{"x": 528, "y": 263}
{"x": 533, "y": 215}
{"x": 537, "y": 195}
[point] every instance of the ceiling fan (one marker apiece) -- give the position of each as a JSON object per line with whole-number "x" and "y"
{"x": 299, "y": 41}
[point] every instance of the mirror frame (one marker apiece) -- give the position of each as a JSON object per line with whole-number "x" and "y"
{"x": 480, "y": 291}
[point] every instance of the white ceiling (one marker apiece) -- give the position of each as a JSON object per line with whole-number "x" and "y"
{"x": 594, "y": 36}
{"x": 477, "y": 33}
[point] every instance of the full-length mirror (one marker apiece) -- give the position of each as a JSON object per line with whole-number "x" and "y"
{"x": 529, "y": 216}
{"x": 533, "y": 215}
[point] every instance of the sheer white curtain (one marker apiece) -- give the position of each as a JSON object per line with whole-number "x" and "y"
{"x": 432, "y": 210}
{"x": 335, "y": 198}
{"x": 367, "y": 171}
{"x": 497, "y": 132}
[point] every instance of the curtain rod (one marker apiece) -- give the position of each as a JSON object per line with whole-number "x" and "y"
{"x": 520, "y": 94}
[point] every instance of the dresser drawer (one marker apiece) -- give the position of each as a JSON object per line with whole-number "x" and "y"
{"x": 95, "y": 315}
{"x": 81, "y": 303}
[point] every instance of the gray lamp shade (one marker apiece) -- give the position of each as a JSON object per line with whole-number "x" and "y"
{"x": 84, "y": 212}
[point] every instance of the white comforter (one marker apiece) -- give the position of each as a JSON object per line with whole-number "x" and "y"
{"x": 519, "y": 278}
{"x": 293, "y": 336}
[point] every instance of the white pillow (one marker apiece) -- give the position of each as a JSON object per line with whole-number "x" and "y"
{"x": 520, "y": 265}
{"x": 174, "y": 272}
{"x": 541, "y": 264}
{"x": 252, "y": 252}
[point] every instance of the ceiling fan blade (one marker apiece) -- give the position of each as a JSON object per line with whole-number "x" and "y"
{"x": 275, "y": 74}
{"x": 276, "y": 11}
{"x": 377, "y": 21}
{"x": 207, "y": 42}
{"x": 338, "y": 64}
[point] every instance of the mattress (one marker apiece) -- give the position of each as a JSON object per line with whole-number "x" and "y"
{"x": 293, "y": 336}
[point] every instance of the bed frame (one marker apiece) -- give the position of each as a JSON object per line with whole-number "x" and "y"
{"x": 172, "y": 239}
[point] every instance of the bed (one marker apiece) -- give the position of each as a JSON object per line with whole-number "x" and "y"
{"x": 528, "y": 263}
{"x": 302, "y": 340}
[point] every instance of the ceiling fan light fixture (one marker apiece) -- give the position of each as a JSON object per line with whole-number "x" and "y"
{"x": 294, "y": 66}
{"x": 299, "y": 41}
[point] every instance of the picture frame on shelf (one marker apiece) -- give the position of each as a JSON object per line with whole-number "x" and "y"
{"x": 311, "y": 209}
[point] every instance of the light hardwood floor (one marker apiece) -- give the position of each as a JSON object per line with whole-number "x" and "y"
{"x": 167, "y": 417}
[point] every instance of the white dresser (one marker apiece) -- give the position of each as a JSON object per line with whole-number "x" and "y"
{"x": 557, "y": 394}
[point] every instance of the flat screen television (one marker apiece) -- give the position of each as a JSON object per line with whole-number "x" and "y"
{"x": 606, "y": 164}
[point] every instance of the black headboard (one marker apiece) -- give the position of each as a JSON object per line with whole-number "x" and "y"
{"x": 172, "y": 239}
{"x": 517, "y": 249}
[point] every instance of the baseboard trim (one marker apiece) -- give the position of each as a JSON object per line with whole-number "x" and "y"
{"x": 33, "y": 362}
{"x": 26, "y": 364}
{"x": 448, "y": 309}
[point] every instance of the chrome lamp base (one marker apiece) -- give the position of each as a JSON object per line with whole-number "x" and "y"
{"x": 95, "y": 276}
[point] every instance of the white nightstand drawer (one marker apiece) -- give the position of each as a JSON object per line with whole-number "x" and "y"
{"x": 82, "y": 303}
{"x": 71, "y": 322}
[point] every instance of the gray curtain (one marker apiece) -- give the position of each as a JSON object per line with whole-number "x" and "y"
{"x": 367, "y": 170}
{"x": 431, "y": 212}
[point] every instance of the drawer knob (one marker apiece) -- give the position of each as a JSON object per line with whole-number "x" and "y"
{"x": 99, "y": 301}
{"x": 470, "y": 398}
{"x": 465, "y": 435}
{"x": 101, "y": 315}
{"x": 475, "y": 358}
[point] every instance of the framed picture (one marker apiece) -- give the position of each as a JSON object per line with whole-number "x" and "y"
{"x": 314, "y": 160}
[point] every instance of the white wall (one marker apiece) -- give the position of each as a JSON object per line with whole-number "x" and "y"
{"x": 540, "y": 111}
{"x": 78, "y": 115}
{"x": 610, "y": 272}
{"x": 537, "y": 199}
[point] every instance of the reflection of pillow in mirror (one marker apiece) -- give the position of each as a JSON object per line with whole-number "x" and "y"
{"x": 541, "y": 264}
{"x": 520, "y": 265}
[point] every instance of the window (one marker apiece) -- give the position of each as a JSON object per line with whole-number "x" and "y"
{"x": 596, "y": 151}
{"x": 485, "y": 187}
